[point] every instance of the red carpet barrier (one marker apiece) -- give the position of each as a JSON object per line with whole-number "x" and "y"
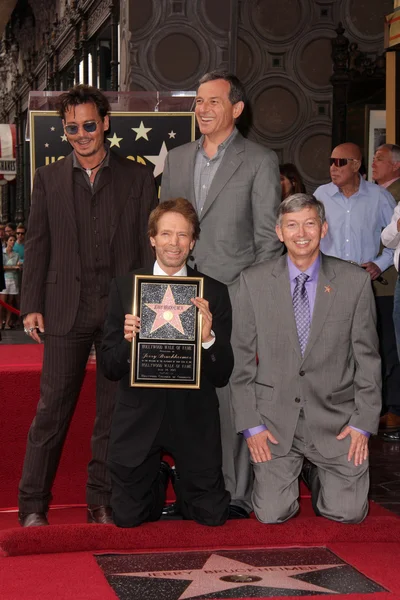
{"x": 185, "y": 535}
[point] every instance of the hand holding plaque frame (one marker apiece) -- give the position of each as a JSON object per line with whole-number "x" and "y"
{"x": 167, "y": 350}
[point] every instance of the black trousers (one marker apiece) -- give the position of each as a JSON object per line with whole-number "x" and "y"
{"x": 388, "y": 352}
{"x": 64, "y": 364}
{"x": 138, "y": 494}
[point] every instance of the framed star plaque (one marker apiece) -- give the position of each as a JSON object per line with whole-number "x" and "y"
{"x": 167, "y": 350}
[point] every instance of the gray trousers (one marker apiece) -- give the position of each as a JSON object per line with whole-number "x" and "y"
{"x": 344, "y": 487}
{"x": 236, "y": 465}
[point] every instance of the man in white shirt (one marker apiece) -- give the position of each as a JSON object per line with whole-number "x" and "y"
{"x": 391, "y": 239}
{"x": 386, "y": 173}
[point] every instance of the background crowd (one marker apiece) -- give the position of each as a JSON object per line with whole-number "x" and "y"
{"x": 12, "y": 240}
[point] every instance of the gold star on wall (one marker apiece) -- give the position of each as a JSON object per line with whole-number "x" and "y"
{"x": 141, "y": 131}
{"x": 114, "y": 141}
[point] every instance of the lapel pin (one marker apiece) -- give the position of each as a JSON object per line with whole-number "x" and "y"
{"x": 328, "y": 289}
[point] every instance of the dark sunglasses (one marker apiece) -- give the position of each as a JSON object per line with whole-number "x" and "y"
{"x": 20, "y": 232}
{"x": 89, "y": 126}
{"x": 340, "y": 162}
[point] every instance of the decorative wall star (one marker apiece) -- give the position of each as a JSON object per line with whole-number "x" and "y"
{"x": 141, "y": 131}
{"x": 158, "y": 160}
{"x": 114, "y": 141}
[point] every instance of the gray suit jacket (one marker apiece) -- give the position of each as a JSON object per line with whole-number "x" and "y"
{"x": 238, "y": 218}
{"x": 338, "y": 380}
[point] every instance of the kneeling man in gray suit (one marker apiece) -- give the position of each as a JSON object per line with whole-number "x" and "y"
{"x": 315, "y": 391}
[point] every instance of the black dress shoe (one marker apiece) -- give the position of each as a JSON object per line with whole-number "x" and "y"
{"x": 237, "y": 512}
{"x": 36, "y": 519}
{"x": 309, "y": 475}
{"x": 172, "y": 510}
{"x": 391, "y": 436}
{"x": 102, "y": 515}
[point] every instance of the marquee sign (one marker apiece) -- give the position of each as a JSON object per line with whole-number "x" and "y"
{"x": 8, "y": 163}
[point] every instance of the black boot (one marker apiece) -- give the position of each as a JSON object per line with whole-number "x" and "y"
{"x": 309, "y": 475}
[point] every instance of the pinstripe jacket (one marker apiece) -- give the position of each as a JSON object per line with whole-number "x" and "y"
{"x": 52, "y": 267}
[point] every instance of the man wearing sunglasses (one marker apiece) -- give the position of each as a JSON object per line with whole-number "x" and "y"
{"x": 87, "y": 224}
{"x": 19, "y": 245}
{"x": 357, "y": 211}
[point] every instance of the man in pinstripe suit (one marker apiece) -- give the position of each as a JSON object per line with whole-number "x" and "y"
{"x": 87, "y": 224}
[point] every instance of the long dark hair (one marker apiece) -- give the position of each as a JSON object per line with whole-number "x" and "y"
{"x": 290, "y": 171}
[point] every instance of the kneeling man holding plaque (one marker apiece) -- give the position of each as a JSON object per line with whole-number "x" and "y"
{"x": 167, "y": 339}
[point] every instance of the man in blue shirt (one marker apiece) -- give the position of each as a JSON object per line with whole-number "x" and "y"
{"x": 357, "y": 211}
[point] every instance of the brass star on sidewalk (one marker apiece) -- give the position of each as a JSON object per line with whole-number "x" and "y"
{"x": 220, "y": 573}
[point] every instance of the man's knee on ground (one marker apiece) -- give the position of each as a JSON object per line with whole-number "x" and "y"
{"x": 210, "y": 519}
{"x": 273, "y": 515}
{"x": 351, "y": 516}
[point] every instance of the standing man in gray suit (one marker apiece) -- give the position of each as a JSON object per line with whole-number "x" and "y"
{"x": 234, "y": 185}
{"x": 315, "y": 391}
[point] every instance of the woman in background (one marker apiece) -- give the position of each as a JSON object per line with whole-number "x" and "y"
{"x": 291, "y": 181}
{"x": 11, "y": 267}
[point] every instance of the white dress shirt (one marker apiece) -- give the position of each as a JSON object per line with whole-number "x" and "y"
{"x": 391, "y": 237}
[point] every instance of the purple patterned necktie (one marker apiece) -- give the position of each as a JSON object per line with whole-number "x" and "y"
{"x": 301, "y": 309}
